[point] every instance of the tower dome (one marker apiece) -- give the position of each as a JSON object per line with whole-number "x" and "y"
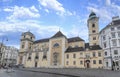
{"x": 28, "y": 33}
{"x": 92, "y": 15}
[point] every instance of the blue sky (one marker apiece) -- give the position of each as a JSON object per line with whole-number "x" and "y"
{"x": 45, "y": 17}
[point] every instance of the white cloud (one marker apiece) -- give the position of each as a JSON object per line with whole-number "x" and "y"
{"x": 46, "y": 10}
{"x": 32, "y": 25}
{"x": 8, "y": 10}
{"x": 108, "y": 2}
{"x": 105, "y": 12}
{"x": 101, "y": 12}
{"x": 56, "y": 6}
{"x": 22, "y": 12}
{"x": 32, "y": 8}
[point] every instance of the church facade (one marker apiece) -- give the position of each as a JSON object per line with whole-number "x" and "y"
{"x": 59, "y": 51}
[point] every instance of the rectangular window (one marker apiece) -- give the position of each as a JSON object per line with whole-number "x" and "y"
{"x": 105, "y": 53}
{"x": 81, "y": 62}
{"x": 104, "y": 38}
{"x": 100, "y": 61}
{"x": 94, "y": 38}
{"x": 119, "y": 41}
{"x": 118, "y": 27}
{"x": 115, "y": 52}
{"x": 104, "y": 44}
{"x": 87, "y": 55}
{"x": 114, "y": 42}
{"x": 74, "y": 55}
{"x": 112, "y": 29}
{"x": 94, "y": 61}
{"x": 99, "y": 54}
{"x": 113, "y": 35}
{"x": 67, "y": 63}
{"x": 94, "y": 54}
{"x": 22, "y": 46}
{"x": 81, "y": 53}
{"x": 74, "y": 62}
{"x": 118, "y": 34}
{"x": 67, "y": 56}
{"x": 106, "y": 64}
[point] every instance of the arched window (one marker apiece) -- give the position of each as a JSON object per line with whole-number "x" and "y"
{"x": 56, "y": 45}
{"x": 55, "y": 58}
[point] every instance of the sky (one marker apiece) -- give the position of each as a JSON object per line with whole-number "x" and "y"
{"x": 46, "y": 17}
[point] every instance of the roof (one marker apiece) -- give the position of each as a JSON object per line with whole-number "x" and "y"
{"x": 58, "y": 34}
{"x": 92, "y": 14}
{"x": 76, "y": 49}
{"x": 41, "y": 40}
{"x": 93, "y": 47}
{"x": 28, "y": 33}
{"x": 74, "y": 39}
{"x": 113, "y": 23}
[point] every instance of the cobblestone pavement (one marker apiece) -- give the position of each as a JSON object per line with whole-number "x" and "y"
{"x": 78, "y": 72}
{"x": 42, "y": 72}
{"x": 20, "y": 73}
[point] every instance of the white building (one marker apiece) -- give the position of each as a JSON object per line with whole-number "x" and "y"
{"x": 9, "y": 55}
{"x": 110, "y": 42}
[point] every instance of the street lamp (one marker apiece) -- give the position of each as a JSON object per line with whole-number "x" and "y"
{"x": 111, "y": 55}
{"x": 2, "y": 43}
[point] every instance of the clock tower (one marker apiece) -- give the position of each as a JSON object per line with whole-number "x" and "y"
{"x": 93, "y": 29}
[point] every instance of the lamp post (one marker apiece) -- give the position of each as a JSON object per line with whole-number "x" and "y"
{"x": 2, "y": 43}
{"x": 111, "y": 55}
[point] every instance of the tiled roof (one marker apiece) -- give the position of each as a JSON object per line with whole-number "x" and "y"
{"x": 74, "y": 39}
{"x": 94, "y": 47}
{"x": 58, "y": 34}
{"x": 76, "y": 49}
{"x": 41, "y": 40}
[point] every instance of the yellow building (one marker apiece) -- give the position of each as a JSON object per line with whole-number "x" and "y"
{"x": 59, "y": 51}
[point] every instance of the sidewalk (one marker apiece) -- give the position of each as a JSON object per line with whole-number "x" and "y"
{"x": 2, "y": 70}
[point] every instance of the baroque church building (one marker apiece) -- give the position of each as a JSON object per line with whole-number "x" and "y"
{"x": 59, "y": 51}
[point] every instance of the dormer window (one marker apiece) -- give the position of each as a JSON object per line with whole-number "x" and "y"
{"x": 56, "y": 45}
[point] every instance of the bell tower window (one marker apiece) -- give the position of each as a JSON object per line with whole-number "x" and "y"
{"x": 93, "y": 25}
{"x": 94, "y": 38}
{"x": 93, "y": 31}
{"x": 31, "y": 38}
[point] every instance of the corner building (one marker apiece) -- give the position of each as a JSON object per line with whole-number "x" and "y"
{"x": 59, "y": 51}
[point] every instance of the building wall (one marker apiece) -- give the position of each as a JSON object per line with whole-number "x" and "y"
{"x": 78, "y": 44}
{"x": 9, "y": 56}
{"x": 59, "y": 50}
{"x": 110, "y": 44}
{"x": 81, "y": 56}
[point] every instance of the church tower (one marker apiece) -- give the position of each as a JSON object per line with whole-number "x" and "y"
{"x": 93, "y": 29}
{"x": 27, "y": 39}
